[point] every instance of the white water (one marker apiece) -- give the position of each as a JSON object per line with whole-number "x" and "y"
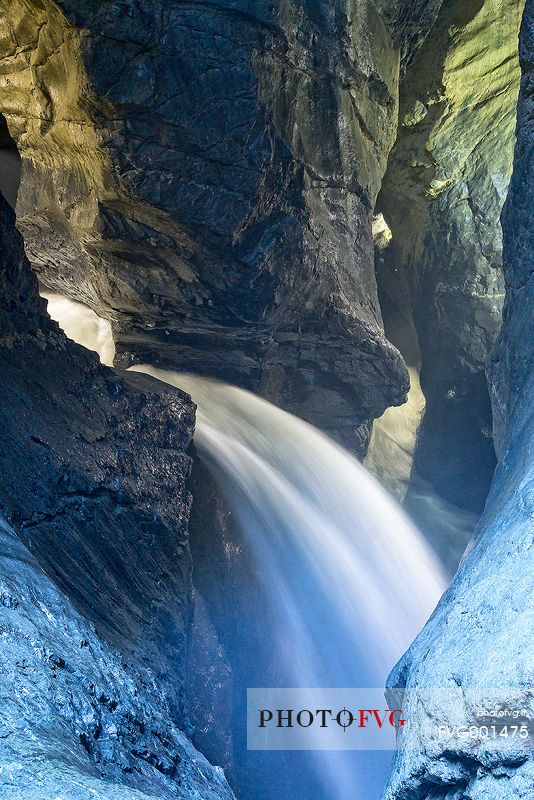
{"x": 306, "y": 505}
{"x": 349, "y": 580}
{"x": 81, "y": 324}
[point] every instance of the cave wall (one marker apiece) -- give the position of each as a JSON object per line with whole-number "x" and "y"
{"x": 204, "y": 176}
{"x": 481, "y": 632}
{"x": 96, "y": 596}
{"x": 93, "y": 474}
{"x": 442, "y": 196}
{"x": 75, "y": 722}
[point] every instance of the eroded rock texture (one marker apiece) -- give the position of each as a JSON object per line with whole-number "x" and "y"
{"x": 442, "y": 196}
{"x": 93, "y": 474}
{"x": 74, "y": 723}
{"x": 204, "y": 175}
{"x": 481, "y": 633}
{"x": 93, "y": 480}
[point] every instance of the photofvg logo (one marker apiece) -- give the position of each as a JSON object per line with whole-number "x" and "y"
{"x": 321, "y": 719}
{"x": 369, "y": 719}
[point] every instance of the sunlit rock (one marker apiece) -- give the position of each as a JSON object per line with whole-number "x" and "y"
{"x": 442, "y": 197}
{"x": 393, "y": 440}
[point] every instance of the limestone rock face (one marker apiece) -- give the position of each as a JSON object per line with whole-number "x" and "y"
{"x": 510, "y": 370}
{"x": 480, "y": 634}
{"x": 93, "y": 474}
{"x": 442, "y": 197}
{"x": 74, "y": 723}
{"x": 204, "y": 176}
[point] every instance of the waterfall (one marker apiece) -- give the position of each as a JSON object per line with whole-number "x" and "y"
{"x": 83, "y": 325}
{"x": 346, "y": 580}
{"x": 336, "y": 546}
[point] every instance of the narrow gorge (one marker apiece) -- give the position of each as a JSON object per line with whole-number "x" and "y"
{"x": 298, "y": 235}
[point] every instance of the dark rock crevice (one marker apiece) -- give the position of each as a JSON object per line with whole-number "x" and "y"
{"x": 9, "y": 164}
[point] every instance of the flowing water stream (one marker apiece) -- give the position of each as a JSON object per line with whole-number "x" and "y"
{"x": 339, "y": 551}
{"x": 347, "y": 580}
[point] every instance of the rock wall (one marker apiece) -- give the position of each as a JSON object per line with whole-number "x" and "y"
{"x": 442, "y": 196}
{"x": 74, "y": 722}
{"x": 93, "y": 474}
{"x": 204, "y": 176}
{"x": 480, "y": 634}
{"x": 510, "y": 372}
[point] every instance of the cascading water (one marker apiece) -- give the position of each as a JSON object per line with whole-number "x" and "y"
{"x": 346, "y": 580}
{"x": 82, "y": 325}
{"x": 302, "y": 500}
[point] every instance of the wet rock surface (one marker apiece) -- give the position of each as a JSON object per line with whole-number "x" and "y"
{"x": 442, "y": 197}
{"x": 93, "y": 474}
{"x": 479, "y": 635}
{"x": 74, "y": 721}
{"x": 204, "y": 175}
